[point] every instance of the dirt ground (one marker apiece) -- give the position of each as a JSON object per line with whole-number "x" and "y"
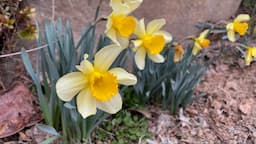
{"x": 225, "y": 115}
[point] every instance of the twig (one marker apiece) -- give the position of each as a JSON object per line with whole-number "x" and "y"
{"x": 19, "y": 53}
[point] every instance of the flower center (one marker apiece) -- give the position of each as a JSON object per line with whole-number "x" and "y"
{"x": 203, "y": 42}
{"x": 241, "y": 28}
{"x": 125, "y": 25}
{"x": 154, "y": 44}
{"x": 103, "y": 85}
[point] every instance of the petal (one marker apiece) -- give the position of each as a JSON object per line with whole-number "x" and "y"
{"x": 132, "y": 5}
{"x": 86, "y": 103}
{"x": 231, "y": 36}
{"x": 140, "y": 58}
{"x": 69, "y": 85}
{"x": 109, "y": 23}
{"x": 111, "y": 33}
{"x": 85, "y": 67}
{"x": 204, "y": 34}
{"x": 115, "y": 4}
{"x": 155, "y": 25}
{"x": 140, "y": 28}
{"x": 167, "y": 36}
{"x": 156, "y": 58}
{"x": 106, "y": 56}
{"x": 112, "y": 106}
{"x": 124, "y": 7}
{"x": 196, "y": 48}
{"x": 123, "y": 77}
{"x": 242, "y": 17}
{"x": 122, "y": 41}
{"x": 137, "y": 44}
{"x": 248, "y": 57}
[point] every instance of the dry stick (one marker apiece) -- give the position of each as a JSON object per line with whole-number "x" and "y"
{"x": 18, "y": 53}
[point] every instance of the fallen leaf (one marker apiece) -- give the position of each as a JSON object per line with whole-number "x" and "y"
{"x": 18, "y": 110}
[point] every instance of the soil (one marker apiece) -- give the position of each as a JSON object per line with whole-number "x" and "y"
{"x": 224, "y": 115}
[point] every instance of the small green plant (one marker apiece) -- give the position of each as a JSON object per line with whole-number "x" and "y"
{"x": 249, "y": 4}
{"x": 123, "y": 128}
{"x": 15, "y": 22}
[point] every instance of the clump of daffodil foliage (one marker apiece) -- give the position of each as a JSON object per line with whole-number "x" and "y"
{"x": 83, "y": 83}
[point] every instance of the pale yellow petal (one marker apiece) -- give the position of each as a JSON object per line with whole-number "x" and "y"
{"x": 156, "y": 58}
{"x": 86, "y": 103}
{"x": 85, "y": 67}
{"x": 124, "y": 7}
{"x": 204, "y": 34}
{"x": 112, "y": 34}
{"x": 115, "y": 4}
{"x": 167, "y": 36}
{"x": 137, "y": 44}
{"x": 112, "y": 106}
{"x": 132, "y": 5}
{"x": 140, "y": 30}
{"x": 231, "y": 36}
{"x": 123, "y": 77}
{"x": 109, "y": 23}
{"x": 248, "y": 57}
{"x": 242, "y": 18}
{"x": 140, "y": 58}
{"x": 106, "y": 56}
{"x": 155, "y": 25}
{"x": 69, "y": 85}
{"x": 122, "y": 41}
{"x": 196, "y": 48}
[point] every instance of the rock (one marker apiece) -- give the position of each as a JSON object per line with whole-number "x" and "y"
{"x": 246, "y": 106}
{"x": 181, "y": 15}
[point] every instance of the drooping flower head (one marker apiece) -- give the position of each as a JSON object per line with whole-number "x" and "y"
{"x": 178, "y": 52}
{"x": 151, "y": 41}
{"x": 250, "y": 54}
{"x": 120, "y": 25}
{"x": 95, "y": 84}
{"x": 239, "y": 25}
{"x": 201, "y": 42}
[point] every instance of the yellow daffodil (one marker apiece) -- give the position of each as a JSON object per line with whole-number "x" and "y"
{"x": 201, "y": 42}
{"x": 178, "y": 54}
{"x": 151, "y": 41}
{"x": 239, "y": 25}
{"x": 120, "y": 25}
{"x": 96, "y": 85}
{"x": 250, "y": 54}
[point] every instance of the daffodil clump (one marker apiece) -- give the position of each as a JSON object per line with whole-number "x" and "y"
{"x": 238, "y": 26}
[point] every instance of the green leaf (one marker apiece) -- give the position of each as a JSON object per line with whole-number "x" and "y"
{"x": 50, "y": 140}
{"x": 47, "y": 129}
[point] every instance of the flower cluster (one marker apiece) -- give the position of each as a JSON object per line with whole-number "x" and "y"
{"x": 96, "y": 84}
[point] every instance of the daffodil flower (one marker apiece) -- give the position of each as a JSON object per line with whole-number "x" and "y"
{"x": 151, "y": 41}
{"x": 178, "y": 54}
{"x": 201, "y": 42}
{"x": 239, "y": 25}
{"x": 120, "y": 25}
{"x": 251, "y": 52}
{"x": 95, "y": 85}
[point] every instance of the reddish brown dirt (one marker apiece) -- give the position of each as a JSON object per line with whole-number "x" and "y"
{"x": 225, "y": 115}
